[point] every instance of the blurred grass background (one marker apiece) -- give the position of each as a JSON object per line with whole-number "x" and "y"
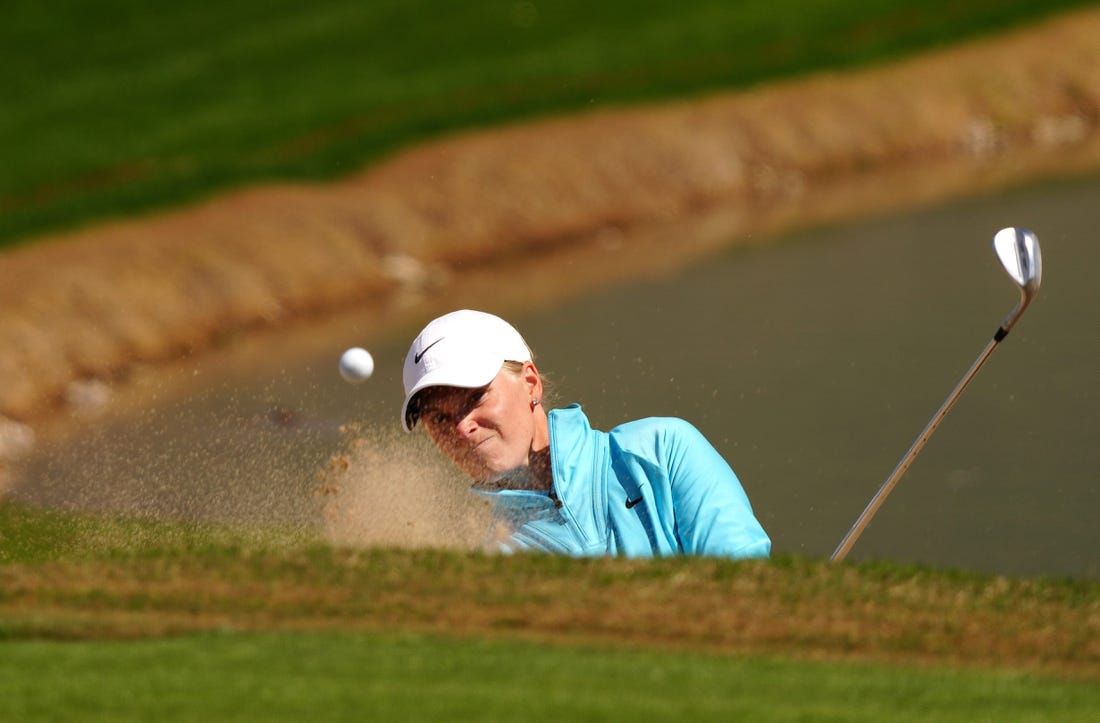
{"x": 118, "y": 107}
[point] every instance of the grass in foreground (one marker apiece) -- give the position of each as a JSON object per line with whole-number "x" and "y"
{"x": 126, "y": 579}
{"x": 357, "y": 676}
{"x": 115, "y": 619}
{"x": 120, "y": 106}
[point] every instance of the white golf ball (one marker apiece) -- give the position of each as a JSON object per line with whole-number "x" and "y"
{"x": 356, "y": 365}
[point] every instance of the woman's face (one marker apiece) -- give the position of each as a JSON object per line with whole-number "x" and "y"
{"x": 489, "y": 430}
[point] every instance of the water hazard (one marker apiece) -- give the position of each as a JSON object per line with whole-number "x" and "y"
{"x": 811, "y": 363}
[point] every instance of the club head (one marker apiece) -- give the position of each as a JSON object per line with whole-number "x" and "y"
{"x": 1018, "y": 251}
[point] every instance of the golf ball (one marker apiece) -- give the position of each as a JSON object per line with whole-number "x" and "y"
{"x": 356, "y": 365}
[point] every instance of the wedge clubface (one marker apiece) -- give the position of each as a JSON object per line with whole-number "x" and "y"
{"x": 1018, "y": 251}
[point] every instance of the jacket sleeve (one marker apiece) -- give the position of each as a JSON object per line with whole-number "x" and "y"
{"x": 712, "y": 511}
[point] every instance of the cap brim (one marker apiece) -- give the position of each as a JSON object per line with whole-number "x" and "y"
{"x": 470, "y": 376}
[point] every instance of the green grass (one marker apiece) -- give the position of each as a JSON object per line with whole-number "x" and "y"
{"x": 123, "y": 619}
{"x": 116, "y": 107}
{"x": 341, "y": 676}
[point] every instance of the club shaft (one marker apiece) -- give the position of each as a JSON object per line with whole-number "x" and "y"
{"x": 872, "y": 507}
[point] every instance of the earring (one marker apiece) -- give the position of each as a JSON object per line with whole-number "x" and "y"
{"x": 534, "y": 403}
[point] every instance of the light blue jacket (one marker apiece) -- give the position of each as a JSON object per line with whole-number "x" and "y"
{"x": 653, "y": 487}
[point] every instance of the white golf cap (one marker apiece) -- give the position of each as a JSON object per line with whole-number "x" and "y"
{"x": 461, "y": 349}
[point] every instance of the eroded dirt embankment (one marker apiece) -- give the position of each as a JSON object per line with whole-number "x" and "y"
{"x": 92, "y": 303}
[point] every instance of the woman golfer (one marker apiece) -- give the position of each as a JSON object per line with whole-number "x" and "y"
{"x": 651, "y": 487}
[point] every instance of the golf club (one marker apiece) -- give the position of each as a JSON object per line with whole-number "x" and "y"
{"x": 1018, "y": 251}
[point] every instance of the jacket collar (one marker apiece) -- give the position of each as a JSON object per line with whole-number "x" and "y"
{"x": 579, "y": 458}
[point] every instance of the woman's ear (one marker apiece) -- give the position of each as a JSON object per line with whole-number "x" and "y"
{"x": 532, "y": 381}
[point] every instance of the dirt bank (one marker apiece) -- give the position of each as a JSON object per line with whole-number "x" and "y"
{"x": 718, "y": 170}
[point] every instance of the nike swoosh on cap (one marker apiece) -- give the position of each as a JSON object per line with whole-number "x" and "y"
{"x": 418, "y": 357}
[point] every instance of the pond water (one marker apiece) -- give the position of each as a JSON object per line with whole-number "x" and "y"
{"x": 811, "y": 363}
